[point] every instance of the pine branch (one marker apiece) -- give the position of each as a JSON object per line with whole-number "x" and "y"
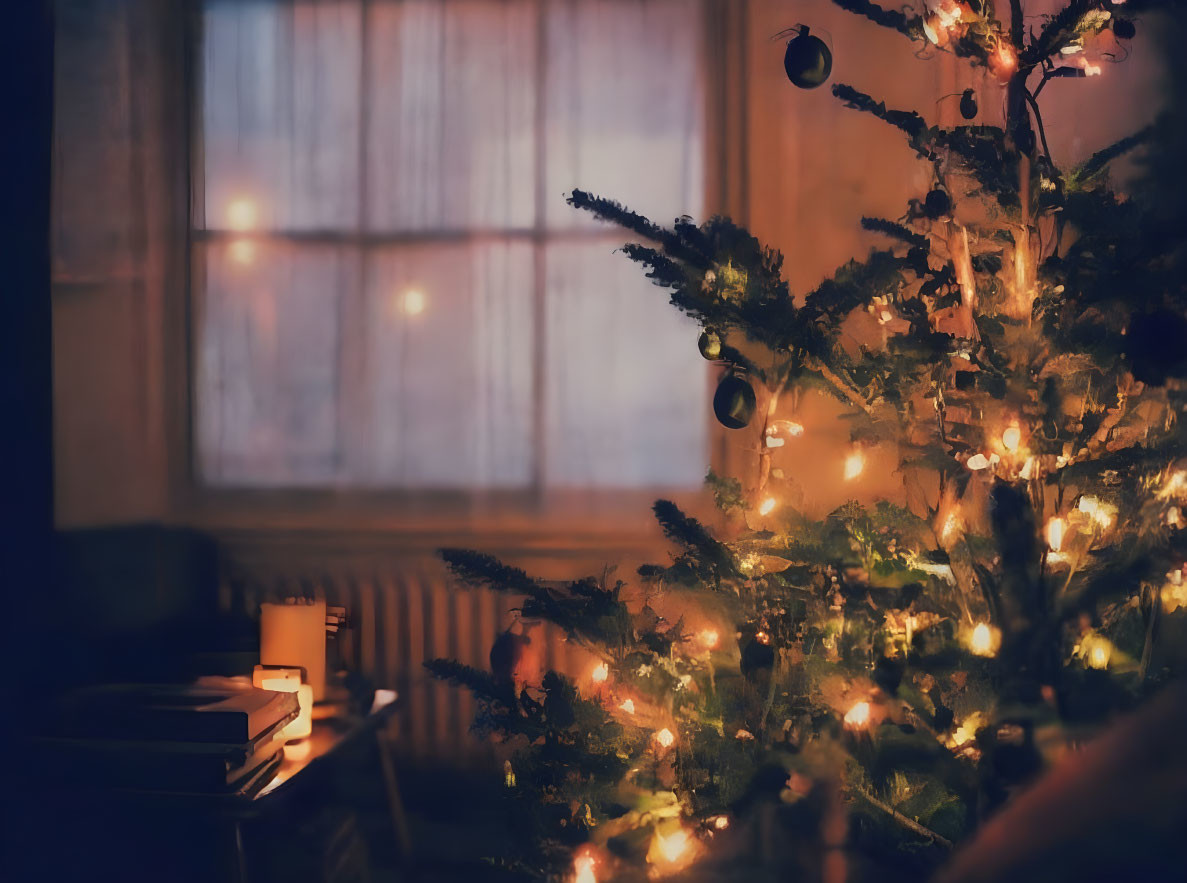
{"x": 690, "y": 533}
{"x": 481, "y": 683}
{"x": 896, "y": 231}
{"x": 616, "y": 213}
{"x": 907, "y": 120}
{"x": 907, "y": 822}
{"x": 910, "y": 26}
{"x": 480, "y": 569}
{"x": 1057, "y": 32}
{"x": 1095, "y": 163}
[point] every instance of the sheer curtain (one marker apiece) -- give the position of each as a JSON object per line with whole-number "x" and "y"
{"x": 391, "y": 291}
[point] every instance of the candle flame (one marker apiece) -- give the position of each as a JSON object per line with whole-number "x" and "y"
{"x": 665, "y": 738}
{"x": 628, "y": 705}
{"x": 600, "y": 673}
{"x": 721, "y": 822}
{"x": 767, "y": 506}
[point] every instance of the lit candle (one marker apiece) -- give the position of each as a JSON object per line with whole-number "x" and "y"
{"x": 767, "y": 506}
{"x": 600, "y": 673}
{"x": 1012, "y": 437}
{"x": 583, "y": 869}
{"x": 295, "y": 634}
{"x": 303, "y": 725}
{"x": 665, "y": 738}
{"x": 982, "y": 640}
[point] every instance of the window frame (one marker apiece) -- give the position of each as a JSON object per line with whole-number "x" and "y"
{"x": 531, "y": 516}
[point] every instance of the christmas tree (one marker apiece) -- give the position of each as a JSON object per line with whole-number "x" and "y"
{"x": 866, "y": 687}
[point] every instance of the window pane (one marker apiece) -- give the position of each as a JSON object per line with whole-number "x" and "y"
{"x": 449, "y": 348}
{"x": 267, "y": 363}
{"x": 625, "y": 115}
{"x": 280, "y": 122}
{"x": 451, "y": 114}
{"x": 626, "y": 386}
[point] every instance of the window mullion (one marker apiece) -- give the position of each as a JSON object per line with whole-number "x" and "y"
{"x": 539, "y": 263}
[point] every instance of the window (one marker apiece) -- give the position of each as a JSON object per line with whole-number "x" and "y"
{"x": 390, "y": 291}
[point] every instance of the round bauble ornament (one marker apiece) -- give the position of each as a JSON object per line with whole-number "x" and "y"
{"x": 808, "y": 61}
{"x": 968, "y": 104}
{"x": 936, "y": 204}
{"x": 709, "y": 344}
{"x": 734, "y": 402}
{"x": 1124, "y": 29}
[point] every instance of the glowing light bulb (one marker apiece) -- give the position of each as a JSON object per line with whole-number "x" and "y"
{"x": 1098, "y": 655}
{"x": 413, "y": 302}
{"x": 1055, "y": 531}
{"x": 767, "y": 506}
{"x": 721, "y": 822}
{"x": 762, "y": 637}
{"x": 242, "y": 251}
{"x": 583, "y": 869}
{"x": 854, "y": 464}
{"x": 709, "y": 637}
{"x": 665, "y": 738}
{"x": 1003, "y": 61}
{"x": 981, "y": 641}
{"x": 600, "y": 673}
{"x": 858, "y": 716}
{"x": 977, "y": 461}
{"x": 241, "y": 214}
{"x": 1012, "y": 437}
{"x": 672, "y": 846}
{"x": 628, "y": 705}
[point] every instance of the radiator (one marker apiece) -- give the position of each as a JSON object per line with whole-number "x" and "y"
{"x": 400, "y": 615}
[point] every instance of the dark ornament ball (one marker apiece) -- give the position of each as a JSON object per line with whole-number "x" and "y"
{"x": 936, "y": 204}
{"x": 1124, "y": 29}
{"x": 710, "y": 345}
{"x": 1156, "y": 344}
{"x": 734, "y": 402}
{"x": 808, "y": 61}
{"x": 757, "y": 658}
{"x": 968, "y": 104}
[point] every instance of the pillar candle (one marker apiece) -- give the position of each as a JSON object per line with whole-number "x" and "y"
{"x": 295, "y": 634}
{"x": 303, "y": 725}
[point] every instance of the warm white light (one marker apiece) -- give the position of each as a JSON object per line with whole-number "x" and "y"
{"x": 672, "y": 846}
{"x": 628, "y": 705}
{"x": 1011, "y": 438}
{"x": 1175, "y": 485}
{"x": 242, "y": 251}
{"x": 1003, "y": 60}
{"x": 1098, "y": 656}
{"x": 762, "y": 637}
{"x": 977, "y": 461}
{"x": 709, "y": 637}
{"x": 767, "y": 506}
{"x": 413, "y": 302}
{"x": 583, "y": 869}
{"x": 721, "y": 822}
{"x": 1091, "y": 70}
{"x": 241, "y": 214}
{"x": 981, "y": 641}
{"x": 665, "y": 738}
{"x": 1055, "y": 531}
{"x": 854, "y": 464}
{"x": 858, "y": 716}
{"x": 600, "y": 673}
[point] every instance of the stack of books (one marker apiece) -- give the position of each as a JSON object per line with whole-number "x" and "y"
{"x": 215, "y": 737}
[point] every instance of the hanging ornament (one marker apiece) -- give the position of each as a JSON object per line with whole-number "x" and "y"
{"x": 734, "y": 402}
{"x": 936, "y": 204}
{"x": 968, "y": 104}
{"x": 808, "y": 61}
{"x": 710, "y": 345}
{"x": 1124, "y": 29}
